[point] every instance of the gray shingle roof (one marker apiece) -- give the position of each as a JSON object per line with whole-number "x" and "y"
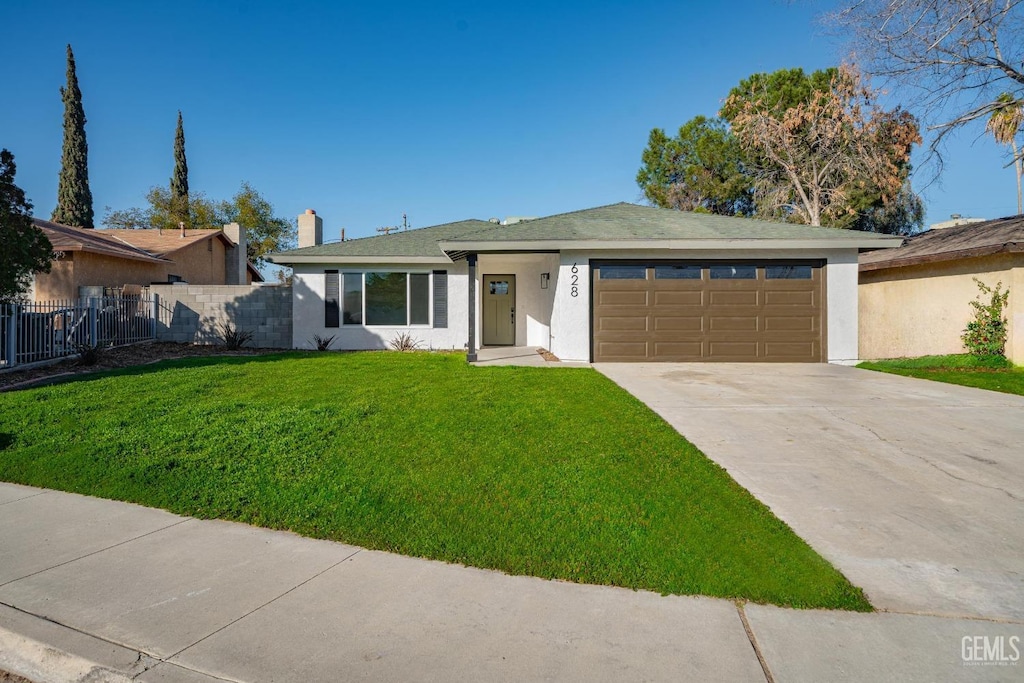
{"x": 418, "y": 242}
{"x": 625, "y": 221}
{"x": 948, "y": 244}
{"x": 615, "y": 222}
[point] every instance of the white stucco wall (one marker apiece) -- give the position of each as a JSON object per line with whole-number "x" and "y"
{"x": 308, "y": 311}
{"x": 841, "y": 313}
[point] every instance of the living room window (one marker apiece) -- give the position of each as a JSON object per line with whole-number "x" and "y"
{"x": 386, "y": 298}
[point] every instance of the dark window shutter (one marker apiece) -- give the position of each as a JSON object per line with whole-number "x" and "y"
{"x": 332, "y": 295}
{"x": 440, "y": 298}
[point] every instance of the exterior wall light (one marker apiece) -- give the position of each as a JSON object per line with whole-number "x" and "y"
{"x": 544, "y": 278}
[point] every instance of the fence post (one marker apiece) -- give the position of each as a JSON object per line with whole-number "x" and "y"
{"x": 93, "y": 322}
{"x": 12, "y": 335}
{"x": 154, "y": 308}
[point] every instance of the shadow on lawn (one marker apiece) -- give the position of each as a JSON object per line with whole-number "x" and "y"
{"x": 161, "y": 366}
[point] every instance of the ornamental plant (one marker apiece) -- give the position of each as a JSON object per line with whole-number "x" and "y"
{"x": 985, "y": 335}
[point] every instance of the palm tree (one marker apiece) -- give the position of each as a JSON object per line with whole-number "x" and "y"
{"x": 1004, "y": 123}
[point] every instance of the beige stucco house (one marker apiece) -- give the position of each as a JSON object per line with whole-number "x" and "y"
{"x": 115, "y": 258}
{"x": 915, "y": 299}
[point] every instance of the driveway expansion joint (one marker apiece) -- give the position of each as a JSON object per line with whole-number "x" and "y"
{"x": 748, "y": 629}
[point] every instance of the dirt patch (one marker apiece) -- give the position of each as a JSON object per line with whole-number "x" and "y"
{"x": 8, "y": 677}
{"x": 548, "y": 356}
{"x": 121, "y": 357}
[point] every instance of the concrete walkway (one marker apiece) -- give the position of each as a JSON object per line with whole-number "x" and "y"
{"x": 914, "y": 489}
{"x": 95, "y": 590}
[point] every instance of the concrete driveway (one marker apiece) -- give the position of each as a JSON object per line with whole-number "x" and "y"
{"x": 913, "y": 489}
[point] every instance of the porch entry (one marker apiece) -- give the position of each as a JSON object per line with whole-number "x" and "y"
{"x": 499, "y": 314}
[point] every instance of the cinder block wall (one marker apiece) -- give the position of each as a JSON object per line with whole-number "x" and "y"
{"x": 193, "y": 313}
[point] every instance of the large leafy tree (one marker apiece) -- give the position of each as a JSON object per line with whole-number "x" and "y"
{"x": 816, "y": 158}
{"x": 25, "y": 248}
{"x": 74, "y": 199}
{"x": 265, "y": 231}
{"x": 179, "y": 181}
{"x": 700, "y": 169}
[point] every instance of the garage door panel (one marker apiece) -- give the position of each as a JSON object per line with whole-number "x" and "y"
{"x": 686, "y": 317}
{"x": 789, "y": 298}
{"x": 679, "y": 298}
{"x": 685, "y": 323}
{"x": 678, "y": 350}
{"x": 629, "y": 323}
{"x": 620, "y": 298}
{"x": 744, "y": 323}
{"x": 613, "y": 350}
{"x": 718, "y": 350}
{"x": 733, "y": 298}
{"x": 778, "y": 323}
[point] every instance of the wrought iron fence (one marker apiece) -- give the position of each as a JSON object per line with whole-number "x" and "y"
{"x": 31, "y": 332}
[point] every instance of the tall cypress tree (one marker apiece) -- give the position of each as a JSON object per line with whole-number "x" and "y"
{"x": 179, "y": 181}
{"x": 74, "y": 199}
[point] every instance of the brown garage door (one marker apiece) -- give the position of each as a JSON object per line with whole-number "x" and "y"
{"x": 708, "y": 311}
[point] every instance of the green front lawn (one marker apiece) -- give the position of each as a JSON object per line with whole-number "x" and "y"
{"x": 550, "y": 472}
{"x": 993, "y": 373}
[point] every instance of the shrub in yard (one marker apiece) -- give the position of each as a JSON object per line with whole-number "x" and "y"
{"x": 88, "y": 354}
{"x": 404, "y": 342}
{"x": 323, "y": 343}
{"x": 985, "y": 335}
{"x": 232, "y": 337}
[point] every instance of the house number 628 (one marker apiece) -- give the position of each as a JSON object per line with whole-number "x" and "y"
{"x": 575, "y": 291}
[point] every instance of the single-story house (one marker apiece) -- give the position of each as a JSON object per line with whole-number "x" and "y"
{"x": 114, "y": 258}
{"x": 614, "y": 283}
{"x": 915, "y": 299}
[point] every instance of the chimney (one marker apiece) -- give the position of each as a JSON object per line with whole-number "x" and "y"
{"x": 235, "y": 260}
{"x": 311, "y": 229}
{"x": 181, "y": 227}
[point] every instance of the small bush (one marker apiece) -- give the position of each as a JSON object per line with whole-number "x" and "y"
{"x": 985, "y": 335}
{"x": 323, "y": 343}
{"x": 232, "y": 337}
{"x": 404, "y": 342}
{"x": 88, "y": 354}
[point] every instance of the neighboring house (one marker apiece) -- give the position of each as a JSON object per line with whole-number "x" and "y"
{"x": 614, "y": 283}
{"x": 114, "y": 258}
{"x": 915, "y": 300}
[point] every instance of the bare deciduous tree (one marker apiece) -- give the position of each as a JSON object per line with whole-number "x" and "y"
{"x": 950, "y": 59}
{"x": 814, "y": 155}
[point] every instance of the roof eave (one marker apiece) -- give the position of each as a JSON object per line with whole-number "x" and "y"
{"x": 286, "y": 260}
{"x": 673, "y": 244}
{"x": 942, "y": 257}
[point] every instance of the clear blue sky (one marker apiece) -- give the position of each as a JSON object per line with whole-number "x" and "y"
{"x": 442, "y": 110}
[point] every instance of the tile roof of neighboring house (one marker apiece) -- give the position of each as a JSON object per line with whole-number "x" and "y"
{"x": 621, "y": 222}
{"x": 66, "y": 238}
{"x": 164, "y": 242}
{"x": 1001, "y": 235}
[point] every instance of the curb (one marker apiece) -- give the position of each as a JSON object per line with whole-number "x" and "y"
{"x": 46, "y": 664}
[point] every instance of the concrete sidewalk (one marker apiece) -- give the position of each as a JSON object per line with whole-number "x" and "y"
{"x": 100, "y": 590}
